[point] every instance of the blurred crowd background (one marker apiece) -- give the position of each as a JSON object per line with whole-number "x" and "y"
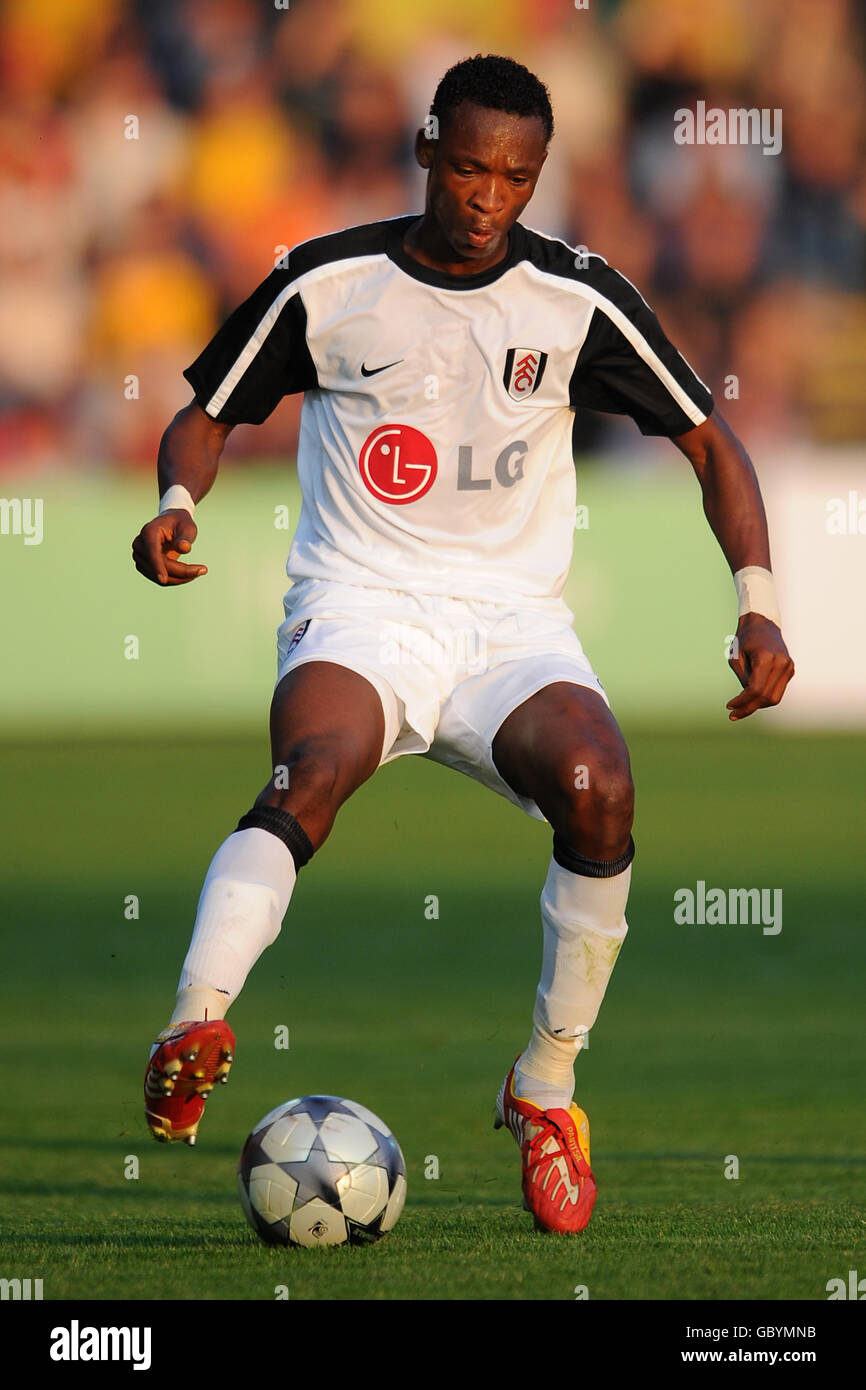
{"x": 259, "y": 126}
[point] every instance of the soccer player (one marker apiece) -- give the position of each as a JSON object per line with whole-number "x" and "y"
{"x": 441, "y": 357}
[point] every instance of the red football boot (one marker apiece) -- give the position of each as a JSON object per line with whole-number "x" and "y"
{"x": 558, "y": 1186}
{"x": 187, "y": 1059}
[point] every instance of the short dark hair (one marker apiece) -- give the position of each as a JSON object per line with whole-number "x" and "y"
{"x": 500, "y": 84}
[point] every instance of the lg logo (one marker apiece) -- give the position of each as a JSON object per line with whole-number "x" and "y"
{"x": 398, "y": 464}
{"x": 507, "y": 469}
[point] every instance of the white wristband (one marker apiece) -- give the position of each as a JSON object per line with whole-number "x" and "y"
{"x": 756, "y": 592}
{"x": 176, "y": 497}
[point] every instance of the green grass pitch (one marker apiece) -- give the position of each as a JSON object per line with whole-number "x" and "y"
{"x": 713, "y": 1041}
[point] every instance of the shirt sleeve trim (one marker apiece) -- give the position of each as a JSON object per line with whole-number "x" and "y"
{"x": 639, "y": 343}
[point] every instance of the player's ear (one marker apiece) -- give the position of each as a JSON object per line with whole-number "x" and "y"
{"x": 424, "y": 148}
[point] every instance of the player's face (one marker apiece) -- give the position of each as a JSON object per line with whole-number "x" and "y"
{"x": 483, "y": 172}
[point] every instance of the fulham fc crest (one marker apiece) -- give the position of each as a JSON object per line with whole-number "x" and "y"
{"x": 524, "y": 368}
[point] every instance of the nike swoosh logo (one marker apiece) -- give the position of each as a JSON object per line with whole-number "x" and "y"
{"x": 373, "y": 371}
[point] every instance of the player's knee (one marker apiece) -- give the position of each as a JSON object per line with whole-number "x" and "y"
{"x": 594, "y": 809}
{"x": 611, "y": 797}
{"x": 598, "y": 789}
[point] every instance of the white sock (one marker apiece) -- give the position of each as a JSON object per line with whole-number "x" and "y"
{"x": 242, "y": 905}
{"x": 583, "y": 926}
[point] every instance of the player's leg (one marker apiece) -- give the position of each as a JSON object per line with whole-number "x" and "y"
{"x": 563, "y": 749}
{"x": 327, "y": 730}
{"x": 327, "y": 727}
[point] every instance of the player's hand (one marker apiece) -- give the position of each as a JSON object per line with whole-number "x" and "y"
{"x": 761, "y": 663}
{"x": 158, "y": 546}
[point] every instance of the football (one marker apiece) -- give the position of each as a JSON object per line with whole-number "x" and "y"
{"x": 321, "y": 1171}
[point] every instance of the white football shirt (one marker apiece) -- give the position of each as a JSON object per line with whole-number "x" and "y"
{"x": 435, "y": 442}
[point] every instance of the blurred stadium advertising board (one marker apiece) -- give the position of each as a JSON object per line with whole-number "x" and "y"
{"x": 89, "y": 646}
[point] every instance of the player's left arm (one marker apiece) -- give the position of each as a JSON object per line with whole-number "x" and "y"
{"x": 735, "y": 510}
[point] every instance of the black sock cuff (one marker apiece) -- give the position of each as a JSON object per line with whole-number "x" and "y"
{"x": 284, "y": 826}
{"x": 577, "y": 863}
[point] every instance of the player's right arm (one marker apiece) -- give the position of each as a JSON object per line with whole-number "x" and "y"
{"x": 189, "y": 454}
{"x": 259, "y": 355}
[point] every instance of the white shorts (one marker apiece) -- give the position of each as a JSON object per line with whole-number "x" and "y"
{"x": 448, "y": 671}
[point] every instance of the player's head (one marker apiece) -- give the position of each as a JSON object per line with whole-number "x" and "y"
{"x": 483, "y": 145}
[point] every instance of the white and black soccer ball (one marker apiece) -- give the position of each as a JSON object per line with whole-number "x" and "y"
{"x": 321, "y": 1171}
